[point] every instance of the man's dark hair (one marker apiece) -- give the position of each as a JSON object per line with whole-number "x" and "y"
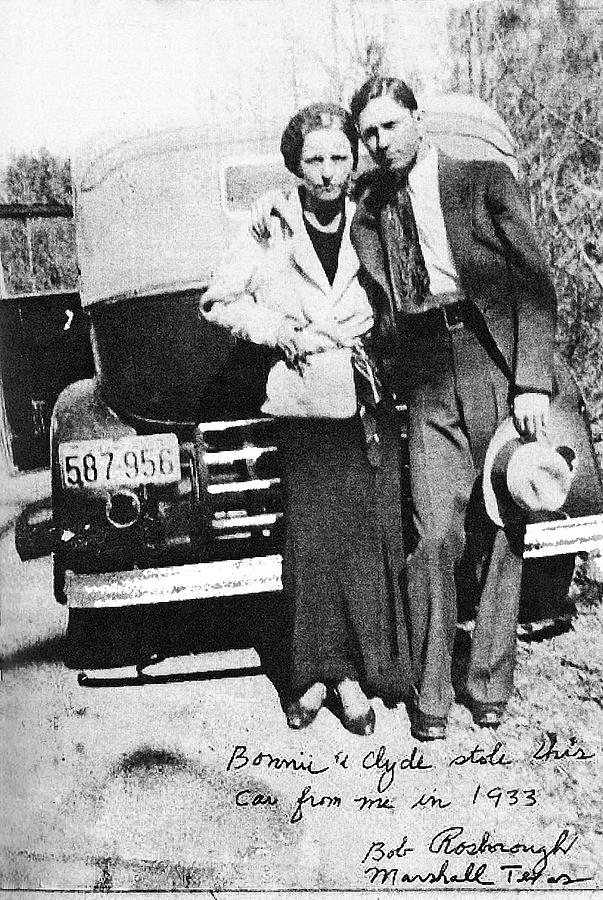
{"x": 380, "y": 86}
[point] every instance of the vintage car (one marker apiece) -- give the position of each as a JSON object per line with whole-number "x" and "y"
{"x": 165, "y": 479}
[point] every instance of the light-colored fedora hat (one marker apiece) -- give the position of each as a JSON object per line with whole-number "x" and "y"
{"x": 555, "y": 476}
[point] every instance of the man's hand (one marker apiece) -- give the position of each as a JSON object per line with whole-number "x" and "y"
{"x": 531, "y": 414}
{"x": 262, "y": 209}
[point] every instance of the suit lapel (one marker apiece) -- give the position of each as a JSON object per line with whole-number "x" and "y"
{"x": 366, "y": 239}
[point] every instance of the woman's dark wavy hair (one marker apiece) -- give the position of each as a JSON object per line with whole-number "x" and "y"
{"x": 380, "y": 86}
{"x": 312, "y": 118}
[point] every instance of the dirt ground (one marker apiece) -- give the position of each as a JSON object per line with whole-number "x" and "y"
{"x": 194, "y": 782}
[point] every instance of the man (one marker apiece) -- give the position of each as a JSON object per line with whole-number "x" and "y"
{"x": 461, "y": 291}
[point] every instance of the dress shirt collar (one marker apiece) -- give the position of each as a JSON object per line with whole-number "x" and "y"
{"x": 423, "y": 170}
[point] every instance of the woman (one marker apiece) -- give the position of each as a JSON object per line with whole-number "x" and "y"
{"x": 297, "y": 290}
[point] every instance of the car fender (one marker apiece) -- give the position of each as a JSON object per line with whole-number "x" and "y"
{"x": 80, "y": 413}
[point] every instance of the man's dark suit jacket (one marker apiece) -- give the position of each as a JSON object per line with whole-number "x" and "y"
{"x": 497, "y": 256}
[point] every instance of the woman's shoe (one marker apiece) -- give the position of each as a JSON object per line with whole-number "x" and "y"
{"x": 363, "y": 725}
{"x": 356, "y": 713}
{"x": 303, "y": 711}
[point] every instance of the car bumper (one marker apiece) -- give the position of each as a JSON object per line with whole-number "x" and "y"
{"x": 258, "y": 575}
{"x": 580, "y": 535}
{"x": 197, "y": 581}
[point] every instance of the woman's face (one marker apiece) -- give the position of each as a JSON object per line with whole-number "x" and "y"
{"x": 326, "y": 164}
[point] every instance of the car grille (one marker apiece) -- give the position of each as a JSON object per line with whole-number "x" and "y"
{"x": 241, "y": 482}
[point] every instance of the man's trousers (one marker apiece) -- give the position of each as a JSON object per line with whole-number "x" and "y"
{"x": 457, "y": 392}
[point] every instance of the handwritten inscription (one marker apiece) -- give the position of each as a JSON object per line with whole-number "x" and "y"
{"x": 254, "y": 798}
{"x": 388, "y": 766}
{"x": 379, "y": 851}
{"x": 308, "y": 798}
{"x": 472, "y": 875}
{"x": 430, "y": 801}
{"x": 240, "y": 759}
{"x": 518, "y": 875}
{"x": 374, "y": 803}
{"x": 450, "y": 842}
{"x": 480, "y": 757}
{"x": 549, "y": 750}
{"x": 510, "y": 796}
{"x": 376, "y": 783}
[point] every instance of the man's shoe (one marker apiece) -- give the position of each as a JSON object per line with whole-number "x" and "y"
{"x": 488, "y": 715}
{"x": 544, "y": 629}
{"x": 424, "y": 727}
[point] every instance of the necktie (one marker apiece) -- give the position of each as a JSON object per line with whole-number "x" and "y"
{"x": 407, "y": 270}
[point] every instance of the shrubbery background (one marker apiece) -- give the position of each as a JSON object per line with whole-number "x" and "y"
{"x": 541, "y": 65}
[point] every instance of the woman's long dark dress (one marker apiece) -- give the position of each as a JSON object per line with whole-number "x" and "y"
{"x": 344, "y": 551}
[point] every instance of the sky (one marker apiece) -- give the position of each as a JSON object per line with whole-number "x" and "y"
{"x": 72, "y": 69}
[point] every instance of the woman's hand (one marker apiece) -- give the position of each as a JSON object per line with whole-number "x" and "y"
{"x": 269, "y": 204}
{"x": 313, "y": 339}
{"x": 298, "y": 342}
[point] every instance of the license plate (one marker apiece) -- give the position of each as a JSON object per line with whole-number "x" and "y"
{"x": 131, "y": 461}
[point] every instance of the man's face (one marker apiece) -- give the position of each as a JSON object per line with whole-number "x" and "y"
{"x": 390, "y": 133}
